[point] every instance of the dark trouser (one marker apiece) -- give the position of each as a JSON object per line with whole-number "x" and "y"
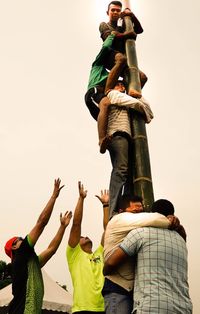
{"x": 121, "y": 176}
{"x": 92, "y": 100}
{"x": 116, "y": 303}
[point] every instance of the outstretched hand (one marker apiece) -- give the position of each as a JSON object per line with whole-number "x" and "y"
{"x": 65, "y": 220}
{"x": 57, "y": 188}
{"x": 104, "y": 198}
{"x": 82, "y": 192}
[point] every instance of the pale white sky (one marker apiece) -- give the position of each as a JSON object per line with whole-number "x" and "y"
{"x": 47, "y": 48}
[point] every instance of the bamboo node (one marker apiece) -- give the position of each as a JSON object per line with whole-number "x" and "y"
{"x": 142, "y": 179}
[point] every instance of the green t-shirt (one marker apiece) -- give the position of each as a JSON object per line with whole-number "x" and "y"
{"x": 98, "y": 73}
{"x": 34, "y": 287}
{"x": 87, "y": 276}
{"x": 27, "y": 281}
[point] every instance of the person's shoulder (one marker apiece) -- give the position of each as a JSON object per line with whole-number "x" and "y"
{"x": 119, "y": 219}
{"x": 115, "y": 218}
{"x": 29, "y": 241}
{"x": 26, "y": 243}
{"x": 99, "y": 249}
{"x": 103, "y": 26}
{"x": 149, "y": 214}
{"x": 76, "y": 248}
{"x": 73, "y": 252}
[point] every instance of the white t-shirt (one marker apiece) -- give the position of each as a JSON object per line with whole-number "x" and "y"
{"x": 117, "y": 228}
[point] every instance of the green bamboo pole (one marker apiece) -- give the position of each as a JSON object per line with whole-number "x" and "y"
{"x": 142, "y": 180}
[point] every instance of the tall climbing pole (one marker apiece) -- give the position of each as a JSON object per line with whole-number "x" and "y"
{"x": 142, "y": 180}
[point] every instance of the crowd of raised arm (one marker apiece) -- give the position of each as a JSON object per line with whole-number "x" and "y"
{"x": 108, "y": 273}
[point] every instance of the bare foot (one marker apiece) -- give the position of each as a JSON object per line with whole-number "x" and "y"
{"x": 104, "y": 143}
{"x": 134, "y": 93}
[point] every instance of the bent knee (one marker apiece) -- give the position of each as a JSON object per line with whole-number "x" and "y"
{"x": 143, "y": 78}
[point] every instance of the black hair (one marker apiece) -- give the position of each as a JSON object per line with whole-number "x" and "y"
{"x": 163, "y": 207}
{"x": 115, "y": 3}
{"x": 122, "y": 82}
{"x": 124, "y": 200}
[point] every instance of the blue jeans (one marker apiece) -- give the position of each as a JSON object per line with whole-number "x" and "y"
{"x": 121, "y": 176}
{"x": 116, "y": 303}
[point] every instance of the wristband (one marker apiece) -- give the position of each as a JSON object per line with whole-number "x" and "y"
{"x": 105, "y": 205}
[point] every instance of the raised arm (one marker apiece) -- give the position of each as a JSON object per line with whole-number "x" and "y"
{"x": 46, "y": 213}
{"x": 136, "y": 23}
{"x": 75, "y": 231}
{"x": 54, "y": 244}
{"x": 104, "y": 199}
{"x": 125, "y": 35}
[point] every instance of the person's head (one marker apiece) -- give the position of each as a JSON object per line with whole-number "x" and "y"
{"x": 163, "y": 207}
{"x": 130, "y": 203}
{"x": 12, "y": 245}
{"x": 86, "y": 244}
{"x": 120, "y": 86}
{"x": 114, "y": 10}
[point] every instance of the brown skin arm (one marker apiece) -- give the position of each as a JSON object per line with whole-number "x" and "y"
{"x": 54, "y": 244}
{"x": 114, "y": 260}
{"x": 104, "y": 199}
{"x": 45, "y": 214}
{"x": 75, "y": 231}
{"x": 126, "y": 35}
{"x": 137, "y": 26}
{"x": 175, "y": 225}
{"x": 174, "y": 221}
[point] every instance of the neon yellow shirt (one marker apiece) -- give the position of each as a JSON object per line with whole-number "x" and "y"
{"x": 87, "y": 277}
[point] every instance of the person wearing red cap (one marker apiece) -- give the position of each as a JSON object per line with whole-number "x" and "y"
{"x": 27, "y": 282}
{"x": 8, "y": 246}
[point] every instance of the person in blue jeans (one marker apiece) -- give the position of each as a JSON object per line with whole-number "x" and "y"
{"x": 161, "y": 279}
{"x": 120, "y": 150}
{"x": 118, "y": 141}
{"x": 118, "y": 285}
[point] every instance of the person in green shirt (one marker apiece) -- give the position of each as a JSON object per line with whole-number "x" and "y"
{"x": 100, "y": 80}
{"x": 27, "y": 281}
{"x": 86, "y": 265}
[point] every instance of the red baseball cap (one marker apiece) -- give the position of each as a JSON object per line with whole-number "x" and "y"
{"x": 8, "y": 246}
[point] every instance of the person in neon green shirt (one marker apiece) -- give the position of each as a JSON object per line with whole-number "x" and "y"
{"x": 86, "y": 266}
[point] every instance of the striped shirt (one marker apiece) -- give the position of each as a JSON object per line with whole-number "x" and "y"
{"x": 161, "y": 282}
{"x": 119, "y": 118}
